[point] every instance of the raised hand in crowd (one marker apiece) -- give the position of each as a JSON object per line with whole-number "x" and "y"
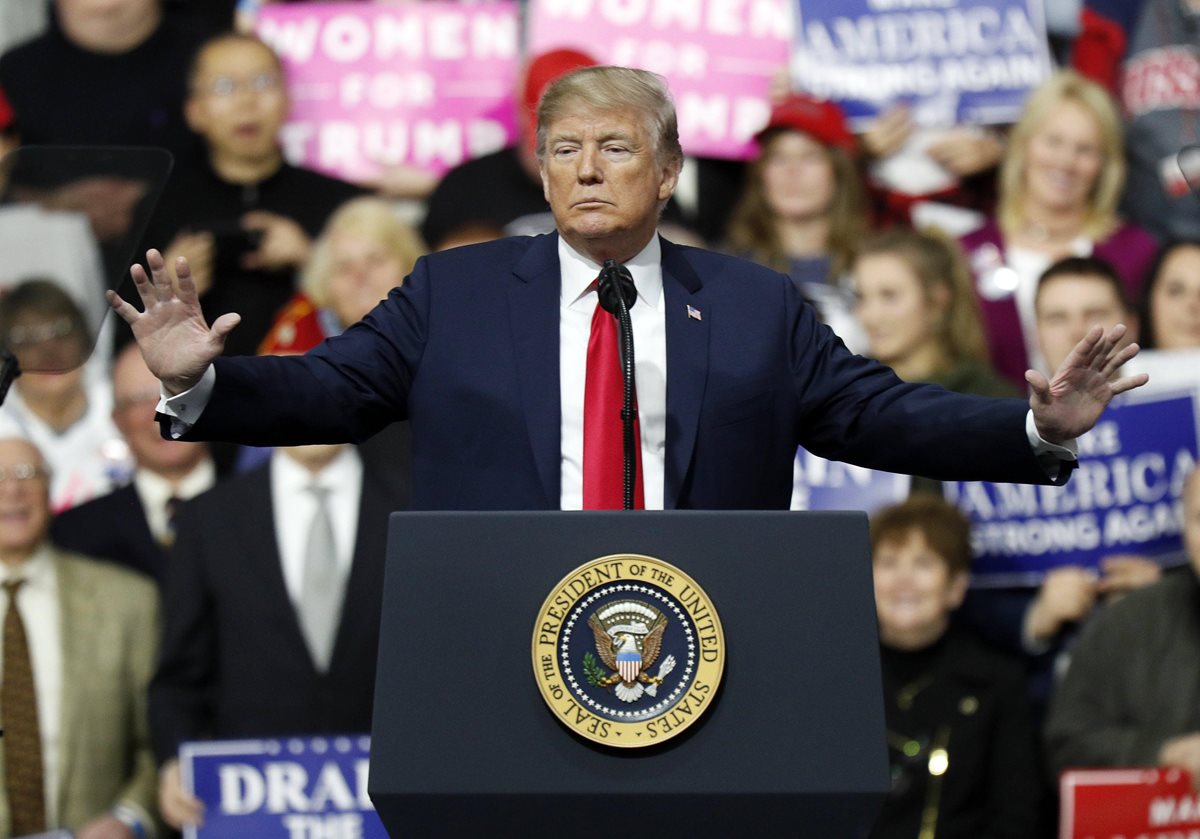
{"x": 889, "y": 132}
{"x": 199, "y": 250}
{"x": 1070, "y": 404}
{"x": 1067, "y": 595}
{"x": 284, "y": 244}
{"x": 177, "y": 806}
{"x": 967, "y": 150}
{"x": 176, "y": 342}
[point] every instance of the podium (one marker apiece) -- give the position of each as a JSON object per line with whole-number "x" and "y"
{"x": 792, "y": 743}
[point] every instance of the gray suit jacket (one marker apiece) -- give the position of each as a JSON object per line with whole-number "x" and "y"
{"x": 1134, "y": 679}
{"x": 110, "y": 629}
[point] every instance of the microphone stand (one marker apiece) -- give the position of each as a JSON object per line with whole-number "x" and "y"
{"x": 617, "y": 293}
{"x": 9, "y": 370}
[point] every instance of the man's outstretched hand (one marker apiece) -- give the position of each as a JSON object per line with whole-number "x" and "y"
{"x": 175, "y": 341}
{"x": 1070, "y": 404}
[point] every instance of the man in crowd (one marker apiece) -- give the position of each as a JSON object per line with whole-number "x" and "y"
{"x": 244, "y": 218}
{"x": 79, "y": 647}
{"x": 273, "y": 600}
{"x": 134, "y": 525}
{"x": 1131, "y": 696}
{"x": 486, "y": 351}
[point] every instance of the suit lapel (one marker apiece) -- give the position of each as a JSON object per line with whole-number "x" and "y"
{"x": 687, "y": 325}
{"x": 533, "y": 309}
{"x": 76, "y": 607}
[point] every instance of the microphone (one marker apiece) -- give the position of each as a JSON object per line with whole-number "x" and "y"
{"x": 617, "y": 293}
{"x": 616, "y": 285}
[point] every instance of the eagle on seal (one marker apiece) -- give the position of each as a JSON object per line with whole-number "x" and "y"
{"x": 631, "y": 655}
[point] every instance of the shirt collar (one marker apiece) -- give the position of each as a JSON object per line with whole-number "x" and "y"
{"x": 37, "y": 571}
{"x": 343, "y": 471}
{"x": 153, "y": 487}
{"x": 578, "y": 272}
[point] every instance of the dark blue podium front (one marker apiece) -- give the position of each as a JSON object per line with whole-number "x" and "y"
{"x": 792, "y": 745}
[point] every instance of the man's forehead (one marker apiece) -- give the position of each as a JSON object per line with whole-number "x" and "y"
{"x": 1078, "y": 291}
{"x": 625, "y": 122}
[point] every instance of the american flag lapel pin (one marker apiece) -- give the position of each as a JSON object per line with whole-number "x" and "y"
{"x": 694, "y": 313}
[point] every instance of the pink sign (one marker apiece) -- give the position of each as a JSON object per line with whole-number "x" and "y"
{"x": 373, "y": 86}
{"x": 718, "y": 56}
{"x": 1128, "y": 804}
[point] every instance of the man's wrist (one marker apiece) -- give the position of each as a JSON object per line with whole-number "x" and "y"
{"x": 132, "y": 819}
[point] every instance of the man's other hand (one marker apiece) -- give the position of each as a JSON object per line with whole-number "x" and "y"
{"x": 171, "y": 332}
{"x": 177, "y": 806}
{"x": 1070, "y": 404}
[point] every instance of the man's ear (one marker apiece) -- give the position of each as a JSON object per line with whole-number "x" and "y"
{"x": 670, "y": 178}
{"x": 958, "y": 590}
{"x": 545, "y": 180}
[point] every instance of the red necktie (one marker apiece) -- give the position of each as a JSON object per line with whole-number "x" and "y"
{"x": 603, "y": 448}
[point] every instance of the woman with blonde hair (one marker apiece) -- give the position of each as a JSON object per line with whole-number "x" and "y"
{"x": 364, "y": 252}
{"x": 915, "y": 301}
{"x": 803, "y": 208}
{"x": 1060, "y": 183}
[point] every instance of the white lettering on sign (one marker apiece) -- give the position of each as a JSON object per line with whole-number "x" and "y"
{"x": 282, "y": 787}
{"x": 756, "y": 18}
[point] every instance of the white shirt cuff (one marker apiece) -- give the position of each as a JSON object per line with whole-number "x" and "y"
{"x": 1050, "y": 455}
{"x": 185, "y": 408}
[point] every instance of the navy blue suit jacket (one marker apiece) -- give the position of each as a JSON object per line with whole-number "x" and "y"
{"x": 467, "y": 351}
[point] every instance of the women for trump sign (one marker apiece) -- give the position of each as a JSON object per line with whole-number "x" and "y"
{"x": 426, "y": 85}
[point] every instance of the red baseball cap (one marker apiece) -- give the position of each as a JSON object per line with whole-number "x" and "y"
{"x": 819, "y": 118}
{"x": 540, "y": 72}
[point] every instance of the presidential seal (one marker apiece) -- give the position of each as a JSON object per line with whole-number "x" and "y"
{"x": 628, "y": 651}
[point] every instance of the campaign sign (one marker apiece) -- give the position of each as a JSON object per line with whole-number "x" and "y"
{"x": 955, "y": 61}
{"x": 1125, "y": 496}
{"x": 718, "y": 56}
{"x": 1128, "y": 803}
{"x": 373, "y": 85}
{"x": 820, "y": 484}
{"x": 297, "y": 788}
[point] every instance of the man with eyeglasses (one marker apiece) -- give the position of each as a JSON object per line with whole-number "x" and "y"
{"x": 244, "y": 218}
{"x": 79, "y": 643}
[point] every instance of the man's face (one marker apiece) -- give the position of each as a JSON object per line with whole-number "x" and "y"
{"x": 238, "y": 102}
{"x": 1070, "y": 305}
{"x": 603, "y": 182}
{"x": 135, "y": 396}
{"x": 24, "y": 498}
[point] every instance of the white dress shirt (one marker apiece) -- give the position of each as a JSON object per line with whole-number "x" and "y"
{"x": 41, "y": 612}
{"x": 577, "y": 305}
{"x": 293, "y": 507}
{"x": 155, "y": 491}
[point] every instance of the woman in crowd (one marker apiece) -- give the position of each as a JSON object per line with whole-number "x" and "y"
{"x": 1060, "y": 183}
{"x": 802, "y": 209}
{"x": 915, "y": 302}
{"x": 960, "y": 743}
{"x": 364, "y": 252}
{"x": 1170, "y": 313}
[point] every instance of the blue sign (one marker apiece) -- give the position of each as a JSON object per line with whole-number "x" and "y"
{"x": 1125, "y": 497}
{"x": 955, "y": 61}
{"x": 296, "y": 788}
{"x": 820, "y": 484}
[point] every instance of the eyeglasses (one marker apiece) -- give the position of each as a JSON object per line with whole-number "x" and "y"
{"x": 25, "y": 335}
{"x": 22, "y": 473}
{"x": 226, "y": 86}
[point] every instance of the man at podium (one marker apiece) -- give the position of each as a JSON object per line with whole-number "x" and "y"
{"x": 505, "y": 366}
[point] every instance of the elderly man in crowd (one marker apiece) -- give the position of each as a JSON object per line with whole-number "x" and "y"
{"x": 79, "y": 647}
{"x": 505, "y": 365}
